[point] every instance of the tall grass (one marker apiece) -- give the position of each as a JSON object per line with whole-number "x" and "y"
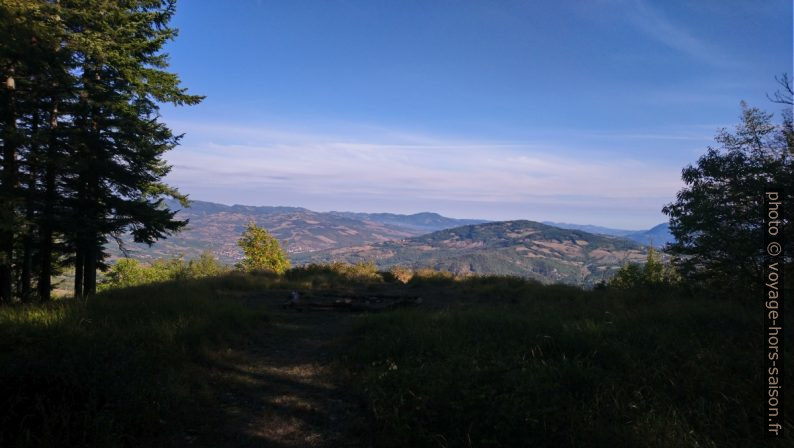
{"x": 484, "y": 361}
{"x": 561, "y": 367}
{"x": 116, "y": 370}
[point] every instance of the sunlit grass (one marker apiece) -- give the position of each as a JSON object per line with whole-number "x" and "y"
{"x": 33, "y": 315}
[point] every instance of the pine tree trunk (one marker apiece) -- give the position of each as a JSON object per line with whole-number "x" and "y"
{"x": 8, "y": 186}
{"x": 89, "y": 284}
{"x": 79, "y": 260}
{"x": 5, "y": 269}
{"x": 26, "y": 275}
{"x": 5, "y": 276}
{"x": 44, "y": 283}
{"x": 27, "y": 248}
{"x": 47, "y": 218}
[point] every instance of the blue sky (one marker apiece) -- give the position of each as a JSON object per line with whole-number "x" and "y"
{"x": 574, "y": 111}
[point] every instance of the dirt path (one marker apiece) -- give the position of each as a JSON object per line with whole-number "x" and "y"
{"x": 280, "y": 390}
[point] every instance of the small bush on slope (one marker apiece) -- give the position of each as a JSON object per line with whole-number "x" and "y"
{"x": 128, "y": 272}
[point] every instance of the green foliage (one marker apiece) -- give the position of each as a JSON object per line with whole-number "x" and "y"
{"x": 129, "y": 272}
{"x": 358, "y": 271}
{"x": 206, "y": 265}
{"x": 426, "y": 276}
{"x": 716, "y": 218}
{"x": 334, "y": 275}
{"x": 262, "y": 251}
{"x": 654, "y": 273}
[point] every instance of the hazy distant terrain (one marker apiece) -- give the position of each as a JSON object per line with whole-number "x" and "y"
{"x": 217, "y": 227}
{"x": 657, "y": 236}
{"x": 522, "y": 248}
{"x": 421, "y": 222}
{"x": 579, "y": 254}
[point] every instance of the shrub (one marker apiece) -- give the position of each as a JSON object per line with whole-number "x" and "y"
{"x": 361, "y": 271}
{"x": 205, "y": 266}
{"x": 336, "y": 271}
{"x": 429, "y": 275}
{"x": 262, "y": 251}
{"x": 400, "y": 274}
{"x": 128, "y": 272}
{"x": 653, "y": 273}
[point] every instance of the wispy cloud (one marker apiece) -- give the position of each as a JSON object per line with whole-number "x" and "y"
{"x": 408, "y": 168}
{"x": 654, "y": 24}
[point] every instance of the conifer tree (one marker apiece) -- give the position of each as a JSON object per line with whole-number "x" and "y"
{"x": 19, "y": 59}
{"x": 117, "y": 156}
{"x": 81, "y": 138}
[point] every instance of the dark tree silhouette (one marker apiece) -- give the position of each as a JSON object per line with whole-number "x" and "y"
{"x": 716, "y": 218}
{"x": 82, "y": 140}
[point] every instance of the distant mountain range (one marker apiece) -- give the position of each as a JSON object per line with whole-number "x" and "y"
{"x": 551, "y": 252}
{"x": 522, "y": 248}
{"x": 425, "y": 222}
{"x": 217, "y": 227}
{"x": 658, "y": 236}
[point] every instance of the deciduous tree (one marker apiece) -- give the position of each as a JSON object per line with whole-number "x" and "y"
{"x": 262, "y": 251}
{"x": 717, "y": 217}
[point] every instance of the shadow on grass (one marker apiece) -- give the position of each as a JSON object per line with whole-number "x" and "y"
{"x": 185, "y": 363}
{"x": 491, "y": 360}
{"x": 281, "y": 388}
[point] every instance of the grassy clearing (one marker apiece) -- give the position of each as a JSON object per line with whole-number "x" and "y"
{"x": 127, "y": 367}
{"x": 115, "y": 371}
{"x": 484, "y": 361}
{"x": 555, "y": 366}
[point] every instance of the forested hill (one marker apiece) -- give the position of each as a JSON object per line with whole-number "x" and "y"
{"x": 657, "y": 236}
{"x": 524, "y": 248}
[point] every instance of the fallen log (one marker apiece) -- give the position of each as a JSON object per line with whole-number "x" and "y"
{"x": 349, "y": 303}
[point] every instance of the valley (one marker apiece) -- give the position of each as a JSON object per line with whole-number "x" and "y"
{"x": 567, "y": 253}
